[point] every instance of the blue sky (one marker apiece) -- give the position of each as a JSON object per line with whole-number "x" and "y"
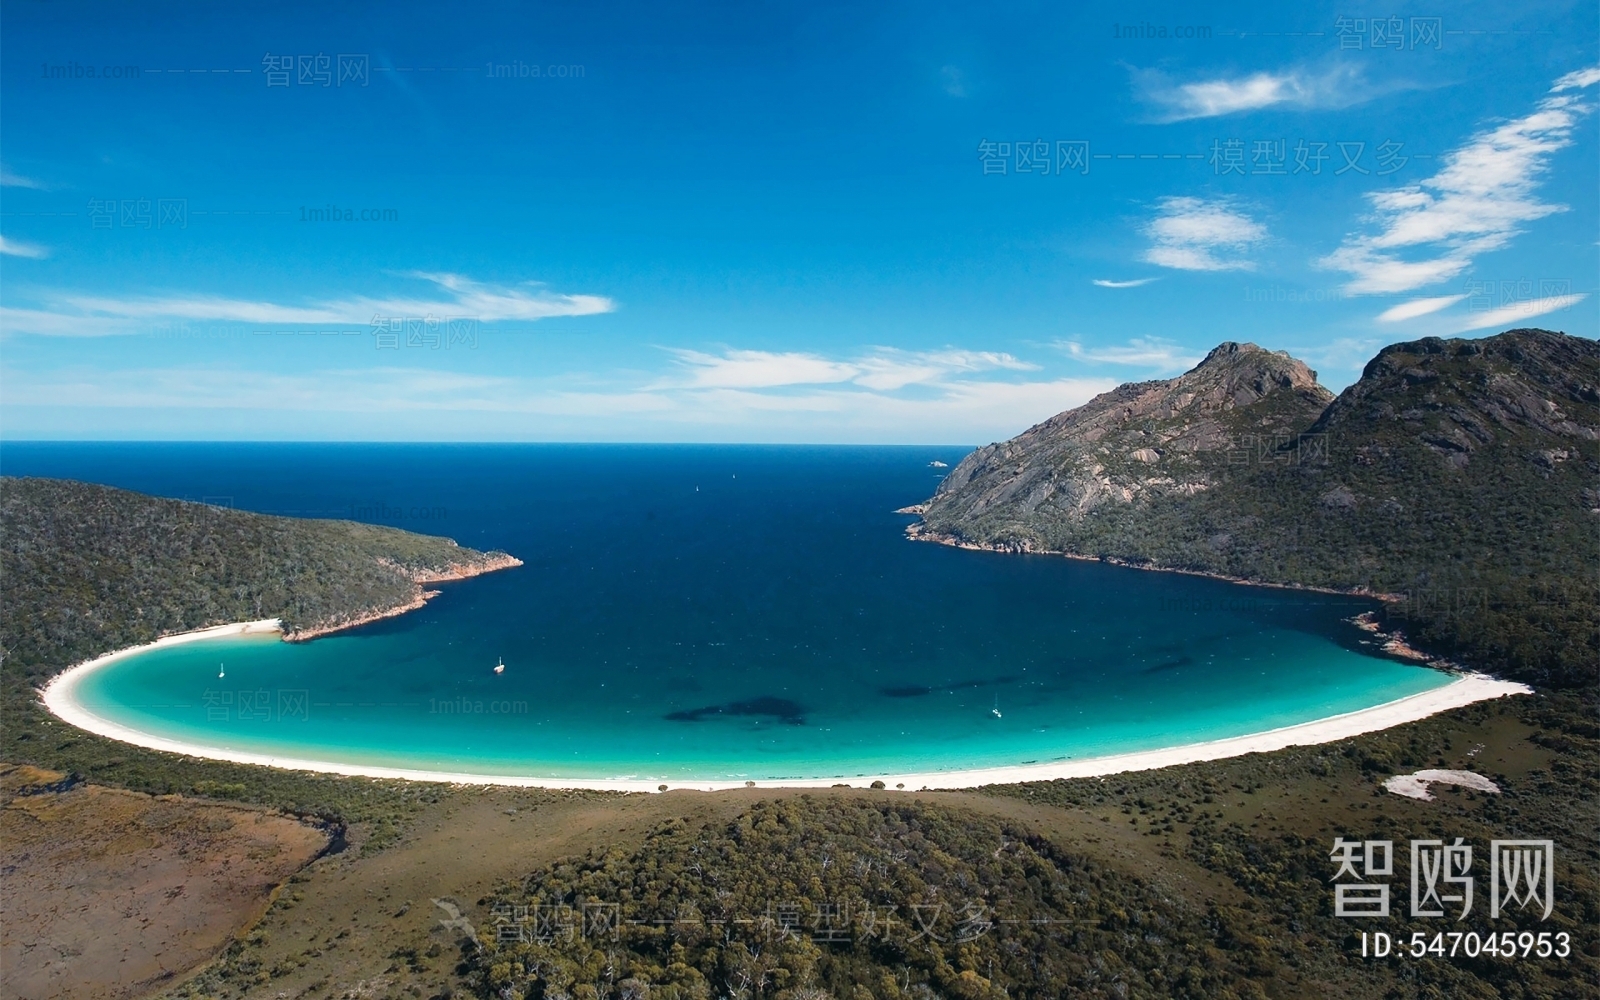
{"x": 777, "y": 222}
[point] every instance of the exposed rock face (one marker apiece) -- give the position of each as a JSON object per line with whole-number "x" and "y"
{"x": 1458, "y": 397}
{"x": 1465, "y": 473}
{"x": 1165, "y": 437}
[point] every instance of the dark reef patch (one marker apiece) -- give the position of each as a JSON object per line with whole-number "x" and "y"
{"x": 914, "y": 691}
{"x": 919, "y": 690}
{"x": 1181, "y": 661}
{"x": 789, "y": 712}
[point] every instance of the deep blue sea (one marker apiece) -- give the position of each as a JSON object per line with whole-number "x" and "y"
{"x": 715, "y": 612}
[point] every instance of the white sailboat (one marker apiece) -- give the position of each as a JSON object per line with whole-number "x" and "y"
{"x": 500, "y": 667}
{"x": 995, "y": 711}
{"x": 222, "y": 670}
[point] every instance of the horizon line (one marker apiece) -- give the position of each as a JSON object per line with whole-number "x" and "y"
{"x": 357, "y": 441}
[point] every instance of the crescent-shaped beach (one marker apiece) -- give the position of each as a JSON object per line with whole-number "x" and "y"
{"x": 59, "y": 697}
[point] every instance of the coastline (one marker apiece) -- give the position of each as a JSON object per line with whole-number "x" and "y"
{"x": 455, "y": 571}
{"x": 463, "y": 571}
{"x": 1394, "y": 642}
{"x": 919, "y": 533}
{"x": 58, "y": 697}
{"x": 307, "y": 634}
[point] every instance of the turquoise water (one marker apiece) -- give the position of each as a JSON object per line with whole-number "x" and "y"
{"x": 718, "y": 613}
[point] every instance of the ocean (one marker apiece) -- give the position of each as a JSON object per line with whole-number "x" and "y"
{"x": 715, "y": 612}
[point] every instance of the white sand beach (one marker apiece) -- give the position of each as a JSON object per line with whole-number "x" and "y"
{"x": 59, "y": 696}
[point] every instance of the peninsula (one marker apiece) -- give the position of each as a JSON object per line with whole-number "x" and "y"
{"x": 88, "y": 569}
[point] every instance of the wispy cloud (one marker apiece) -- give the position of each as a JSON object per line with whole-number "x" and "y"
{"x": 1139, "y": 352}
{"x": 1348, "y": 354}
{"x": 883, "y": 369}
{"x": 17, "y": 248}
{"x": 1193, "y": 234}
{"x": 887, "y": 369}
{"x": 1134, "y": 283}
{"x": 1477, "y": 203}
{"x": 1418, "y": 307}
{"x": 372, "y": 402}
{"x": 954, "y": 81}
{"x": 1517, "y": 312}
{"x": 490, "y": 303}
{"x": 1577, "y": 80}
{"x": 754, "y": 370}
{"x": 1211, "y": 98}
{"x": 65, "y": 313}
{"x": 9, "y": 179}
{"x": 51, "y": 323}
{"x": 208, "y": 387}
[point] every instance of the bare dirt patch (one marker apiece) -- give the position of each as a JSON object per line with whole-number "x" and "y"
{"x": 108, "y": 894}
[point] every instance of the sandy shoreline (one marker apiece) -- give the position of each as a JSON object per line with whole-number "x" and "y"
{"x": 59, "y": 697}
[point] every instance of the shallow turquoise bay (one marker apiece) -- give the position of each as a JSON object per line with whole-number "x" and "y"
{"x": 721, "y": 613}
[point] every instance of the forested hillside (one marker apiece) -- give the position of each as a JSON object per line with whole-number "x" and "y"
{"x": 85, "y": 569}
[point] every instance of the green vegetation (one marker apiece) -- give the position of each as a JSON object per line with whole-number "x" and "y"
{"x": 1459, "y": 473}
{"x": 87, "y": 569}
{"x": 1266, "y": 822}
{"x": 1206, "y": 880}
{"x": 859, "y": 899}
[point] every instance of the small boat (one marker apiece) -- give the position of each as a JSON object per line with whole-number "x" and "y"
{"x": 500, "y": 667}
{"x": 222, "y": 670}
{"x": 995, "y": 711}
{"x": 936, "y": 464}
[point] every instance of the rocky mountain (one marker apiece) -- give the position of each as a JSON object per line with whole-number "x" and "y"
{"x": 1464, "y": 474}
{"x": 1143, "y": 440}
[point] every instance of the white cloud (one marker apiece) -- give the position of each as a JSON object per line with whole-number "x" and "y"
{"x": 89, "y": 315}
{"x": 16, "y": 248}
{"x": 879, "y": 394}
{"x": 1516, "y": 312}
{"x": 204, "y": 307}
{"x": 888, "y": 369}
{"x": 374, "y": 404}
{"x": 56, "y": 324}
{"x": 1209, "y": 98}
{"x": 388, "y": 389}
{"x": 884, "y": 369}
{"x": 1134, "y": 283}
{"x": 1190, "y": 233}
{"x": 489, "y": 303}
{"x": 755, "y": 370}
{"x": 1418, "y": 307}
{"x": 1577, "y": 80}
{"x": 1345, "y": 354}
{"x": 1140, "y": 352}
{"x": 1477, "y": 203}
{"x": 1337, "y": 87}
